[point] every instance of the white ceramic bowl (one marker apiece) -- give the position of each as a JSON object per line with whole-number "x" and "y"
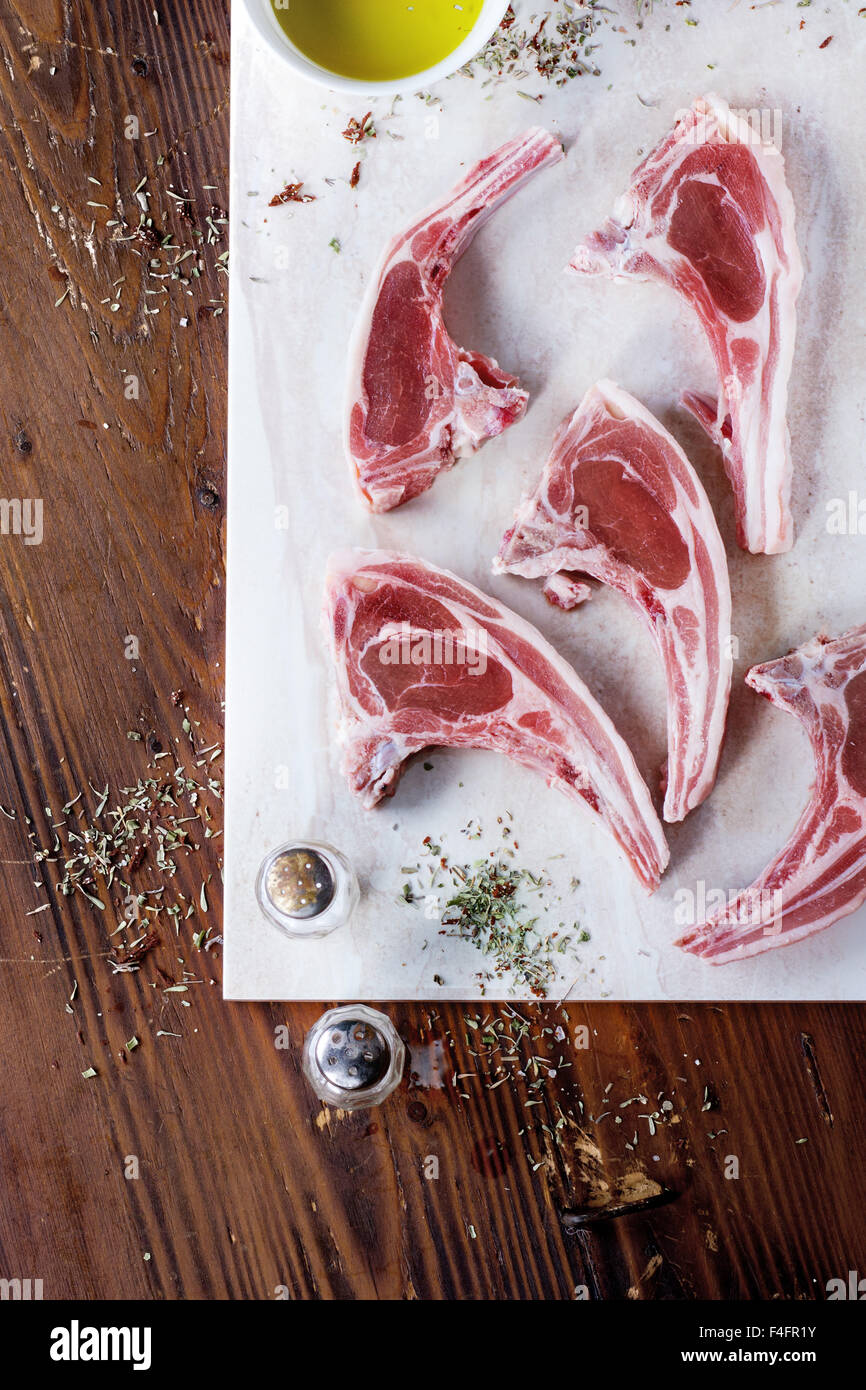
{"x": 265, "y": 21}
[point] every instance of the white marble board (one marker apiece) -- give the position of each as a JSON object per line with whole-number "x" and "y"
{"x": 293, "y": 301}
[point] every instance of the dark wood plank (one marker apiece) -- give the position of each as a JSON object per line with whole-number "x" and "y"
{"x": 246, "y": 1184}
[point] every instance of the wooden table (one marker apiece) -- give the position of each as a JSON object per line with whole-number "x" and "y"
{"x": 200, "y": 1165}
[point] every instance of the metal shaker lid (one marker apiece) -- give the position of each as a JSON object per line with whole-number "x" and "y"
{"x": 353, "y": 1054}
{"x": 353, "y": 1057}
{"x": 307, "y": 889}
{"x": 300, "y": 882}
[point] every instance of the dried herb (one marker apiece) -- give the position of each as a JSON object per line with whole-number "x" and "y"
{"x": 356, "y": 130}
{"x": 557, "y": 47}
{"x": 485, "y": 904}
{"x": 99, "y": 852}
{"x": 136, "y": 953}
{"x": 291, "y": 194}
{"x": 489, "y": 912}
{"x": 147, "y": 234}
{"x": 163, "y": 260}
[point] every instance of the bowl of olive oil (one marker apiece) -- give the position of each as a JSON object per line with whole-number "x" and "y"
{"x": 376, "y": 46}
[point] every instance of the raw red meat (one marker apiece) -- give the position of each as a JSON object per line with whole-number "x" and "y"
{"x": 710, "y": 214}
{"x": 619, "y": 500}
{"x": 400, "y": 693}
{"x": 820, "y": 875}
{"x": 417, "y": 402}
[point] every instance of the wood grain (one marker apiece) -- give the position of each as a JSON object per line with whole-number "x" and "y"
{"x": 246, "y": 1186}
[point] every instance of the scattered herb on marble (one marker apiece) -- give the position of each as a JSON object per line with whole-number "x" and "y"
{"x": 485, "y": 904}
{"x": 555, "y": 46}
{"x": 488, "y": 911}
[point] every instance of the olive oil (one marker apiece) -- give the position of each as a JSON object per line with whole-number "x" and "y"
{"x": 376, "y": 40}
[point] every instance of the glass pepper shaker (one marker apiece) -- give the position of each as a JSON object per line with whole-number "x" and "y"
{"x": 307, "y": 890}
{"x": 353, "y": 1057}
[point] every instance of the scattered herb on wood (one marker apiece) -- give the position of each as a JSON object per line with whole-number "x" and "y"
{"x": 103, "y": 853}
{"x": 126, "y": 958}
{"x": 536, "y": 1052}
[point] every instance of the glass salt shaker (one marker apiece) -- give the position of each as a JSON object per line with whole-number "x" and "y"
{"x": 353, "y": 1057}
{"x": 307, "y": 890}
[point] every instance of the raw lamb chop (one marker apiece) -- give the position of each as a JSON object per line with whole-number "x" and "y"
{"x": 416, "y": 401}
{"x": 619, "y": 500}
{"x": 423, "y": 659}
{"x": 820, "y": 875}
{"x": 709, "y": 213}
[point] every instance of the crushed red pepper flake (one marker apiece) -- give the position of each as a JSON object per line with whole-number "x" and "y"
{"x": 147, "y": 234}
{"x": 356, "y": 175}
{"x": 137, "y": 857}
{"x": 135, "y": 954}
{"x": 291, "y": 194}
{"x": 356, "y": 130}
